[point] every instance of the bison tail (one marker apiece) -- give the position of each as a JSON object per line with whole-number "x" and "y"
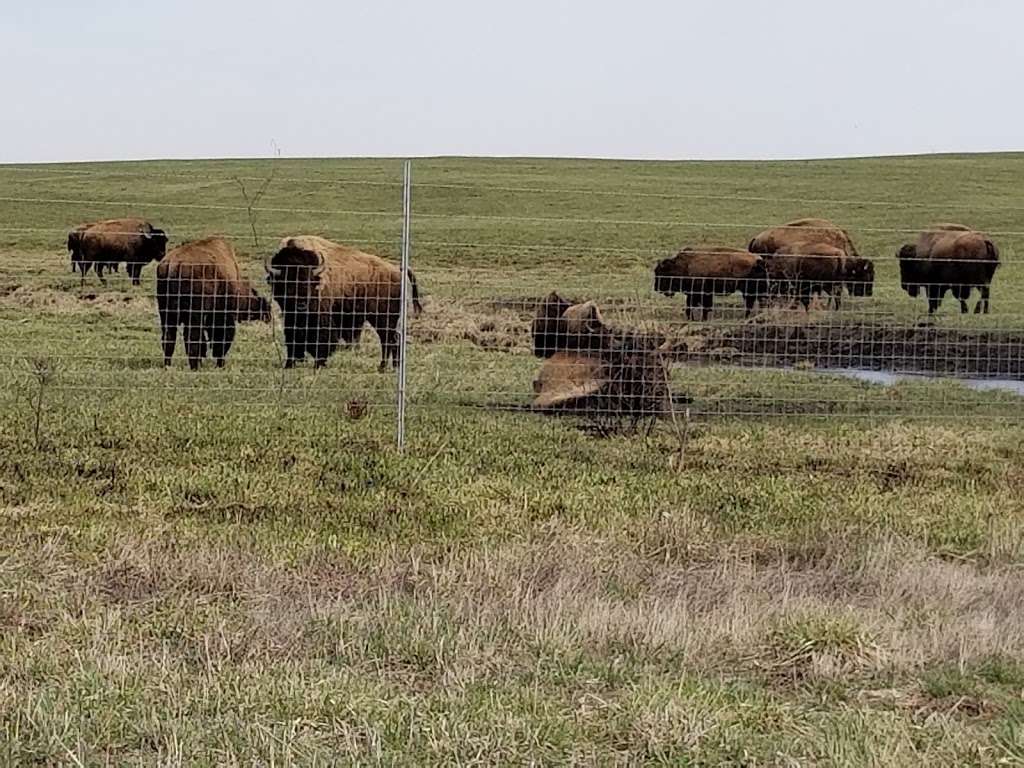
{"x": 417, "y": 307}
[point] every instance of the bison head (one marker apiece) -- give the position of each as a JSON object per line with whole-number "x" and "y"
{"x": 910, "y": 270}
{"x": 546, "y": 323}
{"x": 757, "y": 280}
{"x": 156, "y": 244}
{"x": 860, "y": 276}
{"x": 666, "y": 276}
{"x": 294, "y": 276}
{"x": 256, "y": 308}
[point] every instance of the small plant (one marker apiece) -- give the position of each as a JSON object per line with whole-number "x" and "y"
{"x": 44, "y": 371}
{"x": 356, "y": 408}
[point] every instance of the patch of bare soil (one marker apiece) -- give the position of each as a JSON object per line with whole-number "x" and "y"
{"x": 54, "y": 300}
{"x": 920, "y": 349}
{"x": 776, "y": 338}
{"x": 447, "y": 320}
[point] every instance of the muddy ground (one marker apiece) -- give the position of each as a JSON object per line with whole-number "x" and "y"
{"x": 784, "y": 339}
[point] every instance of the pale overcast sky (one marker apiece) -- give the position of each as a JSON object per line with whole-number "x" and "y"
{"x": 98, "y": 79}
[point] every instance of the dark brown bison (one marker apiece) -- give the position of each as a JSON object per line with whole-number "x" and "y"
{"x": 799, "y": 270}
{"x": 559, "y": 325}
{"x": 705, "y": 271}
{"x": 949, "y": 257}
{"x": 327, "y": 292}
{"x": 106, "y": 244}
{"x": 200, "y": 287}
{"x": 803, "y": 235}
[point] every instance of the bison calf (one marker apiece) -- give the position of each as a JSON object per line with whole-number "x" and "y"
{"x": 200, "y": 287}
{"x": 106, "y": 244}
{"x": 327, "y": 292}
{"x": 700, "y": 273}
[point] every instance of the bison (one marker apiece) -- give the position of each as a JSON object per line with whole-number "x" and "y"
{"x": 106, "y": 244}
{"x": 199, "y": 286}
{"x": 819, "y": 236}
{"x": 559, "y": 324}
{"x": 702, "y": 272}
{"x": 802, "y": 231}
{"x": 949, "y": 257}
{"x": 328, "y": 292}
{"x": 801, "y": 269}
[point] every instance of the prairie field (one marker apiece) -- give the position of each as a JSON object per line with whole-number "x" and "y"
{"x": 238, "y": 567}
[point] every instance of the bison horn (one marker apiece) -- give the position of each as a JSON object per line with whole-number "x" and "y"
{"x": 272, "y": 271}
{"x": 319, "y": 268}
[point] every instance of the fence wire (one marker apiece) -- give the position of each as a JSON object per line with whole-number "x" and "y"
{"x": 640, "y": 321}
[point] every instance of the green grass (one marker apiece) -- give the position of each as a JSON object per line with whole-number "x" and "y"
{"x": 238, "y": 567}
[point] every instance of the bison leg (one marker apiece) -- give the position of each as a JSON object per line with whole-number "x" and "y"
{"x": 294, "y": 344}
{"x": 748, "y": 302}
{"x": 709, "y": 305}
{"x": 836, "y": 295}
{"x": 135, "y": 271}
{"x": 195, "y": 343}
{"x": 982, "y": 305}
{"x": 99, "y": 272}
{"x": 804, "y": 295}
{"x": 934, "y": 298}
{"x": 388, "y": 347}
{"x": 223, "y": 336}
{"x": 168, "y": 335}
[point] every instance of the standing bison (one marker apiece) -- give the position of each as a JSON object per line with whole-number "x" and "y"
{"x": 106, "y": 244}
{"x": 328, "y": 292}
{"x": 200, "y": 287}
{"x": 816, "y": 240}
{"x": 801, "y": 269}
{"x": 702, "y": 272}
{"x": 949, "y": 257}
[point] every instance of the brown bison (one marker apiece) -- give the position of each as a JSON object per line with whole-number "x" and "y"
{"x": 328, "y": 292}
{"x": 949, "y": 257}
{"x": 558, "y": 325}
{"x": 106, "y": 244}
{"x": 858, "y": 273}
{"x": 702, "y": 272}
{"x": 802, "y": 231}
{"x": 200, "y": 287}
{"x": 801, "y": 269}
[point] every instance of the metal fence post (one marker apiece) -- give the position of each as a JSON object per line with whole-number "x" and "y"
{"x": 403, "y": 319}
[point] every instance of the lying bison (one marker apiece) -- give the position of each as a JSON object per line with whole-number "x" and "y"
{"x": 328, "y": 292}
{"x": 106, "y": 244}
{"x": 703, "y": 272}
{"x": 559, "y": 324}
{"x": 949, "y": 257}
{"x": 200, "y": 287}
{"x": 818, "y": 237}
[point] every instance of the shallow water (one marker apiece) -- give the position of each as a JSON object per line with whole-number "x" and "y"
{"x": 888, "y": 377}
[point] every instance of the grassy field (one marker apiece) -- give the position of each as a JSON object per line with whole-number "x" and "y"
{"x": 237, "y": 567}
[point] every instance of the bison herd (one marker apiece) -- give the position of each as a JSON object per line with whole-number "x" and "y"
{"x": 814, "y": 256}
{"x": 327, "y": 293}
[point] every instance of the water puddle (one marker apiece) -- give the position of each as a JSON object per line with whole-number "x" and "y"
{"x": 888, "y": 378}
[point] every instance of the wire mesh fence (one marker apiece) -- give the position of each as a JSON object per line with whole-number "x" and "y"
{"x": 618, "y": 296}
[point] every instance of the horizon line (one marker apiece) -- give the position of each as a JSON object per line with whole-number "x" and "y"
{"x": 503, "y": 157}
